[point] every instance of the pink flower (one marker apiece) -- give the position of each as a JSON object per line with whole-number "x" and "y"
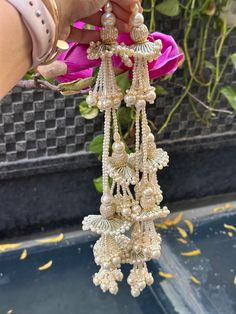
{"x": 78, "y": 65}
{"x": 170, "y": 57}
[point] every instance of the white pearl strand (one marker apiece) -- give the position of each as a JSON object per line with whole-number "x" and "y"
{"x": 106, "y": 144}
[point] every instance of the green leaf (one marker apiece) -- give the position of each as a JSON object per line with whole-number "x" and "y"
{"x": 218, "y": 23}
{"x": 124, "y": 116}
{"x": 88, "y": 112}
{"x": 29, "y": 75}
{"x": 160, "y": 91}
{"x": 95, "y": 72}
{"x": 233, "y": 59}
{"x": 169, "y": 7}
{"x": 230, "y": 94}
{"x": 96, "y": 145}
{"x": 123, "y": 81}
{"x": 74, "y": 87}
{"x": 98, "y": 184}
{"x": 210, "y": 66}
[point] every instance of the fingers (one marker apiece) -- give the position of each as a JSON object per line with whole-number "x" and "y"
{"x": 96, "y": 21}
{"x": 122, "y": 17}
{"x": 126, "y": 5}
{"x": 122, "y": 10}
{"x": 83, "y": 36}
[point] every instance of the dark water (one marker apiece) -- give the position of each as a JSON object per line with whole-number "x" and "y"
{"x": 66, "y": 288}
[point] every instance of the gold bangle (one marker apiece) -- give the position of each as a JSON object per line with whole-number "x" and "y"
{"x": 58, "y": 45}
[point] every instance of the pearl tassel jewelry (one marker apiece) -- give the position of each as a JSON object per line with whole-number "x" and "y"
{"x": 107, "y": 96}
{"x": 124, "y": 207}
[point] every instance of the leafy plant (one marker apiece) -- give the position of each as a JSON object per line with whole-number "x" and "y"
{"x": 206, "y": 72}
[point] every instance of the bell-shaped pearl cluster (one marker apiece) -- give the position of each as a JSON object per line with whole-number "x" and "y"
{"x": 107, "y": 279}
{"x": 107, "y": 252}
{"x": 139, "y": 278}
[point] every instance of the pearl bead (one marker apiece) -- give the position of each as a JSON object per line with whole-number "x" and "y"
{"x": 106, "y": 199}
{"x": 95, "y": 281}
{"x": 108, "y": 19}
{"x": 147, "y": 192}
{"x": 118, "y": 147}
{"x": 116, "y": 260}
{"x": 149, "y": 280}
{"x": 103, "y": 287}
{"x": 151, "y": 137}
{"x": 119, "y": 276}
{"x": 113, "y": 290}
{"x": 130, "y": 100}
{"x": 117, "y": 102}
{"x": 140, "y": 104}
{"x": 151, "y": 96}
{"x": 136, "y": 209}
{"x": 90, "y": 100}
{"x": 107, "y": 103}
{"x": 137, "y": 20}
{"x": 107, "y": 211}
{"x": 125, "y": 211}
{"x": 135, "y": 293}
{"x": 106, "y": 265}
{"x": 141, "y": 285}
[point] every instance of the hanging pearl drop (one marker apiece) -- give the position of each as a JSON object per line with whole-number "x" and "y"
{"x": 108, "y": 19}
{"x": 137, "y": 20}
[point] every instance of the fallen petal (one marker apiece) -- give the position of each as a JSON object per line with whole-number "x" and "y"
{"x": 191, "y": 253}
{"x": 46, "y": 266}
{"x": 161, "y": 226}
{"x": 195, "y": 280}
{"x": 175, "y": 221}
{"x": 23, "y": 255}
{"x": 183, "y": 241}
{"x": 190, "y": 225}
{"x": 230, "y": 227}
{"x": 165, "y": 275}
{"x": 182, "y": 232}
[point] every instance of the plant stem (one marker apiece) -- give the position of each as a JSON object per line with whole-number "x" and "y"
{"x": 37, "y": 84}
{"x": 186, "y": 35}
{"x": 152, "y": 26}
{"x": 177, "y": 105}
{"x": 203, "y": 56}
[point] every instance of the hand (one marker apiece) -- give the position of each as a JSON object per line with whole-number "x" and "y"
{"x": 88, "y": 11}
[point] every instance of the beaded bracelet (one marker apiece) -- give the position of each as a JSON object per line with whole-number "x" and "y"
{"x": 42, "y": 27}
